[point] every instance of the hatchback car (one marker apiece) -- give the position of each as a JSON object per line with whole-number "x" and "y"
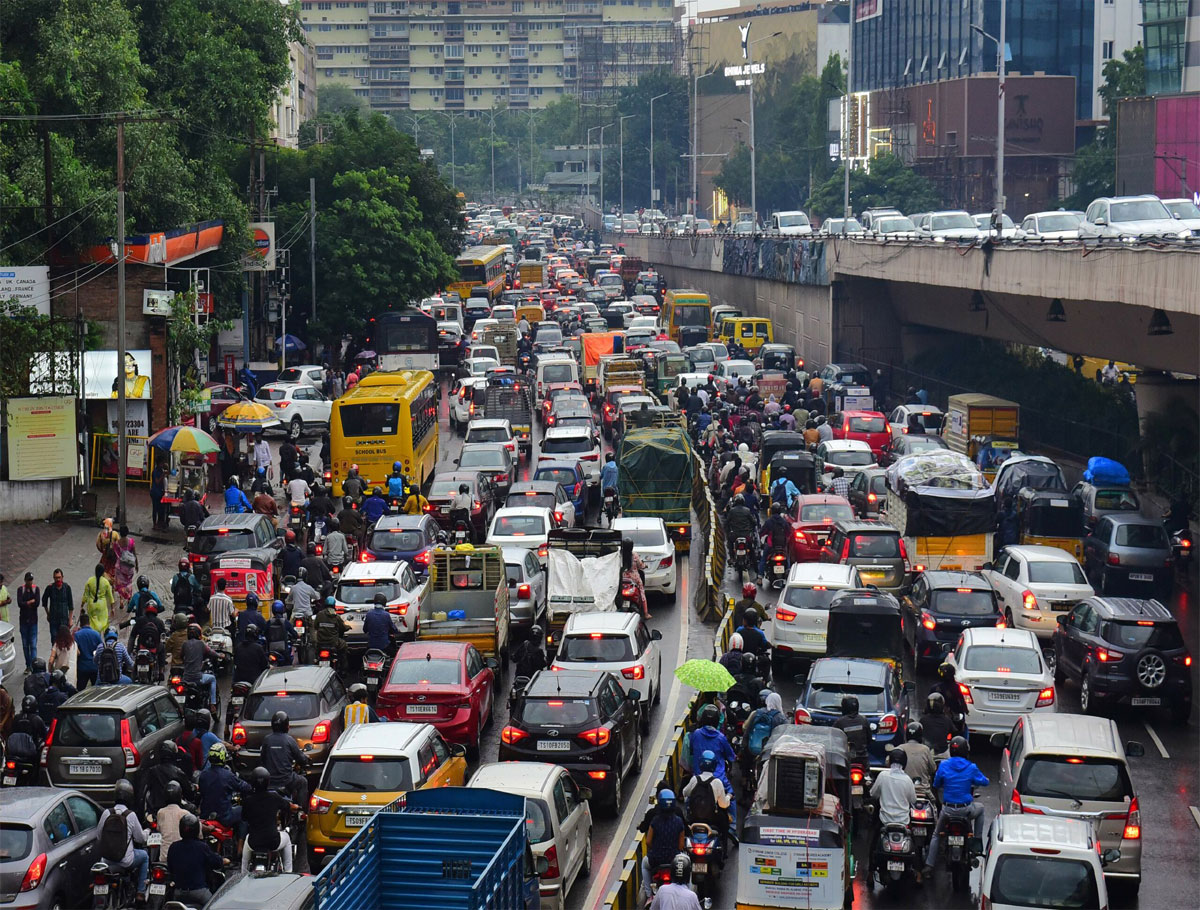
{"x": 48, "y": 843}
{"x": 1032, "y": 861}
{"x": 1051, "y": 226}
{"x": 558, "y": 821}
{"x": 571, "y": 476}
{"x": 493, "y": 432}
{"x": 868, "y": 492}
{"x": 526, "y": 527}
{"x": 1001, "y": 675}
{"x": 851, "y": 455}
{"x": 573, "y": 411}
{"x": 296, "y": 405}
{"x": 728, "y": 372}
{"x": 545, "y": 493}
{"x": 313, "y": 698}
{"x": 653, "y": 545}
{"x": 1129, "y": 553}
{"x": 870, "y": 427}
{"x": 557, "y": 393}
{"x": 1034, "y": 585}
{"x": 574, "y": 444}
{"x": 940, "y": 605}
{"x": 444, "y": 683}
{"x": 370, "y": 766}
{"x": 582, "y": 721}
{"x": 483, "y": 499}
{"x": 1121, "y": 649}
{"x": 875, "y": 548}
{"x": 310, "y": 373}
{"x": 355, "y": 594}
{"x": 928, "y": 417}
{"x": 495, "y": 462}
{"x": 619, "y": 643}
{"x": 526, "y": 589}
{"x": 812, "y": 517}
{"x": 106, "y": 733}
{"x": 799, "y": 619}
{"x": 881, "y": 698}
{"x": 406, "y": 538}
{"x": 910, "y": 444}
{"x": 1098, "y": 501}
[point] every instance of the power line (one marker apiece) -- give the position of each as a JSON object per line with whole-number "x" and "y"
{"x": 47, "y": 227}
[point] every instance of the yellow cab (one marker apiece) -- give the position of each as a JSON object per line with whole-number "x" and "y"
{"x": 533, "y": 313}
{"x": 751, "y": 332}
{"x": 371, "y": 765}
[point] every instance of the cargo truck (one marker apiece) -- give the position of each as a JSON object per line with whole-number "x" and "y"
{"x": 467, "y": 600}
{"x": 977, "y": 423}
{"x": 507, "y": 397}
{"x": 583, "y": 575}
{"x": 655, "y": 479}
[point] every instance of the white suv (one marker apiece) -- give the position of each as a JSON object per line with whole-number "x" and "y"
{"x": 619, "y": 643}
{"x": 570, "y": 444}
{"x": 799, "y": 620}
{"x": 1131, "y": 218}
{"x": 495, "y": 431}
{"x": 653, "y": 545}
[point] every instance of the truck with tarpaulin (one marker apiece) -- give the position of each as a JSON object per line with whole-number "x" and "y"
{"x": 455, "y": 848}
{"x": 944, "y": 509}
{"x": 982, "y": 427}
{"x": 655, "y": 479}
{"x": 467, "y": 600}
{"x": 583, "y": 575}
{"x": 597, "y": 345}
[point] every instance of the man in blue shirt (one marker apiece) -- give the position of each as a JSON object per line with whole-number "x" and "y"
{"x": 217, "y": 786}
{"x": 608, "y": 473}
{"x": 956, "y": 776}
{"x": 374, "y": 506}
{"x": 188, "y": 861}
{"x": 377, "y": 625}
{"x": 87, "y": 640}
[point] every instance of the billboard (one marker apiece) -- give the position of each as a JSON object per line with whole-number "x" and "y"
{"x": 262, "y": 257}
{"x": 30, "y": 284}
{"x": 41, "y": 438}
{"x": 867, "y": 9}
{"x": 100, "y": 374}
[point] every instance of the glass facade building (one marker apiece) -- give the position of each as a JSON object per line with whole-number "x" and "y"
{"x": 910, "y": 42}
{"x": 1164, "y": 26}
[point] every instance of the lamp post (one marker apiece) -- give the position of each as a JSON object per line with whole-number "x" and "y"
{"x": 652, "y": 100}
{"x": 591, "y": 129}
{"x": 696, "y": 138}
{"x": 622, "y": 160}
{"x": 753, "y": 143}
{"x": 842, "y": 139}
{"x": 602, "y": 129}
{"x": 998, "y": 213}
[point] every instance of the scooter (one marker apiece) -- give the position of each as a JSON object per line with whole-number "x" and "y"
{"x": 191, "y": 696}
{"x": 704, "y": 845}
{"x": 374, "y": 662}
{"x": 145, "y": 666}
{"x": 113, "y": 888}
{"x": 611, "y": 506}
{"x": 222, "y": 643}
{"x": 742, "y": 557}
{"x": 20, "y": 772}
{"x": 461, "y": 534}
{"x": 895, "y": 862}
{"x": 777, "y": 568}
{"x": 922, "y": 818}
{"x": 962, "y": 850}
{"x": 632, "y": 598}
{"x": 237, "y": 698}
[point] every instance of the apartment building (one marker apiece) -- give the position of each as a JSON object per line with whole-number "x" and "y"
{"x": 297, "y": 99}
{"x": 473, "y": 55}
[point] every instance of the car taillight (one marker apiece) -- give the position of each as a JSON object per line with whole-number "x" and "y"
{"x": 888, "y": 723}
{"x": 928, "y": 621}
{"x": 320, "y": 732}
{"x": 903, "y": 553}
{"x": 399, "y": 610}
{"x": 871, "y": 497}
{"x": 783, "y": 614}
{"x": 966, "y": 693}
{"x": 1108, "y": 656}
{"x": 320, "y": 549}
{"x": 281, "y": 404}
{"x": 552, "y": 870}
{"x": 366, "y": 557}
{"x": 1114, "y": 559}
{"x": 49, "y": 742}
{"x": 856, "y": 776}
{"x": 132, "y": 757}
{"x": 543, "y": 551}
{"x": 801, "y": 537}
{"x": 1001, "y": 624}
{"x": 597, "y": 736}
{"x": 802, "y": 716}
{"x": 33, "y": 876}
{"x": 510, "y": 735}
{"x": 319, "y": 804}
{"x": 524, "y": 592}
{"x": 598, "y": 775}
{"x": 1133, "y": 822}
{"x": 1045, "y": 698}
{"x": 1185, "y": 659}
{"x": 638, "y": 672}
{"x": 1029, "y": 600}
{"x": 238, "y": 736}
{"x": 422, "y": 558}
{"x": 845, "y": 549}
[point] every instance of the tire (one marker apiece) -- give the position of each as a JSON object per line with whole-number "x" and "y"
{"x": 637, "y": 757}
{"x": 658, "y": 689}
{"x": 1089, "y": 703}
{"x": 1008, "y": 618}
{"x": 1105, "y": 584}
{"x": 585, "y": 871}
{"x": 295, "y": 428}
{"x": 615, "y": 804}
{"x": 1051, "y": 658}
{"x": 644, "y": 718}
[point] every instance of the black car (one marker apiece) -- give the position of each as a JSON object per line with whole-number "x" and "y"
{"x": 582, "y": 721}
{"x": 1123, "y": 649}
{"x": 940, "y": 605}
{"x": 474, "y": 309}
{"x": 222, "y": 533}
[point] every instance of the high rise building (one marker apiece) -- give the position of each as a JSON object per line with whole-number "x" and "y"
{"x": 473, "y": 55}
{"x": 297, "y": 99}
{"x": 1118, "y": 29}
{"x": 1172, "y": 39}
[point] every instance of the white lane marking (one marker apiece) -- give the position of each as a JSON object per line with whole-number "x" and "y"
{"x": 614, "y": 857}
{"x": 1158, "y": 742}
{"x": 1195, "y": 815}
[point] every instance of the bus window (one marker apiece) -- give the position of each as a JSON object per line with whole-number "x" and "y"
{"x": 375, "y": 419}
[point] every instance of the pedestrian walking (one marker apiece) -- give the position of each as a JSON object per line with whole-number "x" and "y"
{"x": 127, "y": 565}
{"x": 87, "y": 640}
{"x": 60, "y": 650}
{"x": 159, "y": 518}
{"x": 262, "y": 454}
{"x": 106, "y": 540}
{"x": 29, "y": 596}
{"x": 5, "y": 600}
{"x": 58, "y": 602}
{"x": 98, "y": 598}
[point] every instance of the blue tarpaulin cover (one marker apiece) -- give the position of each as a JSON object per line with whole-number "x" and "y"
{"x": 1106, "y": 472}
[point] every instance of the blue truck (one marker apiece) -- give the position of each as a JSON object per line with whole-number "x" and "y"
{"x": 454, "y": 848}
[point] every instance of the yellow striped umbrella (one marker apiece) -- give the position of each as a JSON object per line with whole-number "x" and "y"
{"x": 247, "y": 417}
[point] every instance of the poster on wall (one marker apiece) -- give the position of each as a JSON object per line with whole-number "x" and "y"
{"x": 100, "y": 374}
{"x": 29, "y": 284}
{"x": 41, "y": 438}
{"x": 137, "y": 417}
{"x": 867, "y": 9}
{"x": 136, "y": 457}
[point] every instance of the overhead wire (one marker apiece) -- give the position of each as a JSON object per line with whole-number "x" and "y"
{"x": 47, "y": 227}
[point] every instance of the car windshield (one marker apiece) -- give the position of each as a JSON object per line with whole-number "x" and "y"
{"x": 824, "y": 696}
{"x": 1056, "y": 573}
{"x": 15, "y": 841}
{"x": 1142, "y": 537}
{"x": 962, "y": 602}
{"x": 1139, "y": 210}
{"x": 564, "y": 476}
{"x": 1002, "y": 659}
{"x": 875, "y": 546}
{"x": 1022, "y": 880}
{"x": 1070, "y": 777}
{"x": 596, "y": 646}
{"x": 923, "y": 443}
{"x": 695, "y": 315}
{"x": 554, "y": 712}
{"x": 563, "y": 445}
{"x": 488, "y": 434}
{"x": 850, "y": 458}
{"x": 519, "y": 526}
{"x": 1058, "y": 222}
{"x": 645, "y": 537}
{"x": 843, "y": 225}
{"x": 396, "y": 539}
{"x": 85, "y": 728}
{"x": 493, "y": 459}
{"x": 291, "y": 375}
{"x": 376, "y": 775}
{"x": 447, "y": 488}
{"x": 558, "y": 372}
{"x": 261, "y": 706}
{"x": 1117, "y": 500}
{"x": 805, "y": 598}
{"x": 953, "y": 221}
{"x": 362, "y": 590}
{"x": 1183, "y": 209}
{"x": 416, "y": 671}
{"x": 929, "y": 420}
{"x": 867, "y": 425}
{"x": 573, "y": 420}
{"x": 796, "y": 219}
{"x": 214, "y": 541}
{"x": 895, "y": 225}
{"x": 1135, "y": 636}
{"x": 537, "y": 498}
{"x": 827, "y": 512}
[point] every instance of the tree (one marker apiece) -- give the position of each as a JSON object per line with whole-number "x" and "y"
{"x": 888, "y": 182}
{"x": 334, "y": 98}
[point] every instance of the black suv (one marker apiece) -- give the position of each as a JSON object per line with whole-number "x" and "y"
{"x": 940, "y": 604}
{"x": 1124, "y": 649}
{"x": 222, "y": 533}
{"x": 582, "y": 721}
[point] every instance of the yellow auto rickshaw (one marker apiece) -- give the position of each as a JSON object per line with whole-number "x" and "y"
{"x": 533, "y": 313}
{"x": 1050, "y": 518}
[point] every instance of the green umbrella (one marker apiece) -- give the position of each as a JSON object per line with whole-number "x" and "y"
{"x": 705, "y": 675}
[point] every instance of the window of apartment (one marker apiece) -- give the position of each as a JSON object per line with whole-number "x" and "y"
{"x": 399, "y": 6}
{"x": 1106, "y": 50}
{"x": 518, "y": 6}
{"x": 453, "y": 9}
{"x": 380, "y": 31}
{"x": 380, "y": 9}
{"x": 361, "y": 92}
{"x": 644, "y": 4}
{"x": 474, "y": 71}
{"x": 324, "y": 6}
{"x": 474, "y": 48}
{"x": 516, "y": 52}
{"x": 343, "y": 5}
{"x": 324, "y": 28}
{"x": 474, "y": 92}
{"x": 454, "y": 94}
{"x": 474, "y": 26}
{"x": 453, "y": 51}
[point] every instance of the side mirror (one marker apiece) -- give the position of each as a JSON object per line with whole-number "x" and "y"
{"x": 999, "y": 740}
{"x": 585, "y": 792}
{"x": 947, "y": 646}
{"x": 655, "y": 635}
{"x": 1112, "y": 854}
{"x": 1134, "y": 749}
{"x": 910, "y": 687}
{"x": 1100, "y": 221}
{"x": 493, "y": 664}
{"x": 987, "y": 566}
{"x": 1061, "y": 619}
{"x": 975, "y": 846}
{"x": 633, "y": 695}
{"x": 542, "y": 865}
{"x": 458, "y": 750}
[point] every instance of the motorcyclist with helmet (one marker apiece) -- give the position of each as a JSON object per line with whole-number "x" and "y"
{"x": 397, "y": 486}
{"x": 188, "y": 862}
{"x": 776, "y": 533}
{"x": 281, "y": 635}
{"x": 330, "y": 630}
{"x": 185, "y": 588}
{"x": 303, "y": 597}
{"x": 264, "y": 501}
{"x": 191, "y": 511}
{"x": 337, "y": 549}
{"x": 168, "y": 771}
{"x": 749, "y": 600}
{"x": 530, "y": 655}
{"x": 353, "y": 486}
{"x": 666, "y": 836}
{"x": 358, "y": 711}
{"x": 134, "y": 856}
{"x": 374, "y": 506}
{"x": 174, "y": 646}
{"x": 460, "y": 509}
{"x": 279, "y": 756}
{"x": 936, "y": 725}
{"x": 28, "y": 733}
{"x": 250, "y": 617}
{"x": 713, "y": 811}
{"x": 707, "y": 737}
{"x": 249, "y": 657}
{"x": 148, "y": 633}
{"x": 168, "y": 811}
{"x": 378, "y": 626}
{"x": 676, "y": 894}
{"x": 143, "y": 597}
{"x": 955, "y": 778}
{"x": 415, "y": 503}
{"x": 894, "y": 794}
{"x": 193, "y": 654}
{"x": 261, "y": 809}
{"x": 753, "y": 639}
{"x": 741, "y": 522}
{"x": 260, "y": 483}
{"x": 351, "y": 520}
{"x": 318, "y": 573}
{"x": 235, "y": 499}
{"x": 321, "y": 505}
{"x": 856, "y": 727}
{"x": 55, "y": 694}
{"x": 292, "y": 555}
{"x": 919, "y": 764}
{"x": 956, "y": 703}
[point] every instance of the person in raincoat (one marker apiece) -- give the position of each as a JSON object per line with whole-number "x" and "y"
{"x": 707, "y": 735}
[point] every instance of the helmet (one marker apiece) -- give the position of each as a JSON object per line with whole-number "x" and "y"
{"x": 748, "y": 590}
{"x": 750, "y": 618}
{"x": 189, "y": 827}
{"x": 280, "y": 722}
{"x": 251, "y": 633}
{"x": 735, "y": 642}
{"x": 743, "y": 448}
{"x": 763, "y": 694}
{"x": 290, "y": 536}
{"x": 261, "y": 472}
{"x": 463, "y": 488}
{"x": 946, "y": 671}
{"x": 331, "y": 525}
{"x": 110, "y": 635}
{"x": 278, "y": 608}
{"x": 898, "y": 757}
{"x": 348, "y": 502}
{"x": 179, "y": 621}
{"x": 358, "y": 692}
{"x": 380, "y": 600}
{"x": 776, "y": 508}
{"x": 535, "y": 633}
{"x": 311, "y": 549}
{"x": 666, "y": 798}
{"x": 959, "y": 747}
{"x": 123, "y": 790}
{"x": 396, "y": 467}
{"x": 204, "y": 719}
{"x": 194, "y": 630}
{"x": 708, "y": 760}
{"x": 29, "y": 704}
{"x": 378, "y": 491}
{"x": 152, "y": 609}
{"x": 143, "y": 583}
{"x": 260, "y": 778}
{"x": 681, "y": 869}
{"x": 849, "y": 704}
{"x": 936, "y": 702}
{"x": 913, "y": 731}
{"x": 353, "y": 469}
{"x": 749, "y": 662}
{"x": 58, "y": 679}
{"x": 251, "y": 601}
{"x": 184, "y": 565}
{"x": 234, "y": 483}
{"x": 173, "y": 791}
{"x": 168, "y": 749}
{"x": 739, "y": 499}
{"x": 330, "y": 601}
{"x": 710, "y": 716}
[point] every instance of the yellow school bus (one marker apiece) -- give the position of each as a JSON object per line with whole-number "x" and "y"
{"x": 687, "y": 315}
{"x": 387, "y": 417}
{"x": 480, "y": 266}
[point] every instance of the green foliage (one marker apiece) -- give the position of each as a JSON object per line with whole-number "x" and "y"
{"x": 889, "y": 182}
{"x": 186, "y": 340}
{"x": 335, "y": 98}
{"x": 26, "y": 332}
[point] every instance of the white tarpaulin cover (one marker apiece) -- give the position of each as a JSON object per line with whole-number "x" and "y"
{"x": 947, "y": 470}
{"x": 582, "y": 585}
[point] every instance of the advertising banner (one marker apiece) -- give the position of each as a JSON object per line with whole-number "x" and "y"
{"x": 790, "y": 870}
{"x": 41, "y": 438}
{"x": 867, "y": 9}
{"x": 100, "y": 374}
{"x": 262, "y": 258}
{"x": 137, "y": 417}
{"x": 30, "y": 284}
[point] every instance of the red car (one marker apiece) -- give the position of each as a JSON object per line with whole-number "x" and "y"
{"x": 870, "y": 427}
{"x": 220, "y": 396}
{"x": 812, "y": 519}
{"x": 447, "y": 684}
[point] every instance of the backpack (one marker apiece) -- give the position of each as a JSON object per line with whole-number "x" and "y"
{"x": 702, "y": 804}
{"x": 21, "y": 746}
{"x": 779, "y": 492}
{"x": 756, "y": 739}
{"x": 114, "y": 836}
{"x": 108, "y": 665}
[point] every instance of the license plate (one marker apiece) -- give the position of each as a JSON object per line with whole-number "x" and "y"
{"x": 10, "y": 780}
{"x": 699, "y": 867}
{"x": 1140, "y": 576}
{"x": 356, "y": 821}
{"x": 1145, "y": 702}
{"x": 445, "y": 510}
{"x": 99, "y": 889}
{"x": 815, "y": 637}
{"x": 956, "y": 840}
{"x": 872, "y": 576}
{"x": 1005, "y": 696}
{"x": 421, "y": 709}
{"x": 856, "y": 790}
{"x": 158, "y": 889}
{"x": 553, "y": 745}
{"x": 86, "y": 769}
{"x": 894, "y": 866}
{"x": 1060, "y": 607}
{"x": 237, "y": 700}
{"x": 154, "y": 840}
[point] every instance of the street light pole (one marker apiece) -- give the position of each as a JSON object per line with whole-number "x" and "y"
{"x": 753, "y": 143}
{"x": 694, "y": 205}
{"x": 652, "y": 100}
{"x": 602, "y": 129}
{"x": 622, "y": 161}
{"x": 591, "y": 129}
{"x": 492, "y": 130}
{"x": 842, "y": 142}
{"x": 998, "y": 209}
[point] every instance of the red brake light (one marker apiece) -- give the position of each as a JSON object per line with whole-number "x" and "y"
{"x": 543, "y": 551}
{"x": 856, "y": 775}
{"x": 1133, "y": 822}
{"x": 33, "y": 876}
{"x": 802, "y": 716}
{"x": 1029, "y": 600}
{"x": 888, "y": 723}
{"x": 638, "y": 672}
{"x": 49, "y": 742}
{"x": 1107, "y": 655}
{"x": 783, "y": 614}
{"x": 319, "y": 804}
{"x": 510, "y": 735}
{"x": 132, "y": 758}
{"x": 552, "y": 870}
{"x": 524, "y": 592}
{"x": 845, "y": 549}
{"x": 399, "y": 610}
{"x": 281, "y": 404}
{"x": 928, "y": 621}
{"x": 1114, "y": 559}
{"x": 966, "y": 693}
{"x": 871, "y": 497}
{"x": 1045, "y": 697}
{"x": 801, "y": 537}
{"x": 321, "y": 732}
{"x": 422, "y": 558}
{"x": 238, "y": 736}
{"x": 597, "y": 775}
{"x": 597, "y": 736}
{"x": 366, "y": 557}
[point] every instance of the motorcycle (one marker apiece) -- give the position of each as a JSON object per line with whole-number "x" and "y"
{"x": 461, "y": 534}
{"x": 736, "y": 713}
{"x": 221, "y": 643}
{"x": 327, "y": 657}
{"x": 611, "y": 506}
{"x": 221, "y": 839}
{"x": 921, "y": 819}
{"x": 962, "y": 850}
{"x": 632, "y": 598}
{"x": 113, "y": 888}
{"x": 237, "y": 698}
{"x": 159, "y": 879}
{"x": 704, "y": 845}
{"x": 374, "y": 662}
{"x": 777, "y": 568}
{"x": 1181, "y": 546}
{"x": 145, "y": 666}
{"x": 20, "y": 772}
{"x": 859, "y": 782}
{"x": 896, "y": 860}
{"x": 190, "y": 696}
{"x": 296, "y": 522}
{"x": 743, "y": 558}
{"x": 303, "y": 648}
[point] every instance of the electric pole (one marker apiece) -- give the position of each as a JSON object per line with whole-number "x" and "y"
{"x": 122, "y": 428}
{"x": 312, "y": 241}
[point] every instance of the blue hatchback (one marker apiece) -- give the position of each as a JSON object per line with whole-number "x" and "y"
{"x": 571, "y": 476}
{"x": 881, "y": 698}
{"x": 407, "y": 538}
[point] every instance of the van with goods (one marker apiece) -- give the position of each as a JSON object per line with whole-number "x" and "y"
{"x": 531, "y": 273}
{"x": 617, "y": 369}
{"x": 976, "y": 422}
{"x": 597, "y": 346}
{"x": 503, "y": 337}
{"x": 508, "y": 397}
{"x": 655, "y": 479}
{"x": 467, "y": 600}
{"x": 583, "y": 575}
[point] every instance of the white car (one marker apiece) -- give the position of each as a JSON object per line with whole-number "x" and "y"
{"x": 361, "y": 581}
{"x": 653, "y": 546}
{"x": 296, "y": 404}
{"x": 497, "y": 431}
{"x": 794, "y": 223}
{"x": 720, "y": 352}
{"x": 484, "y": 352}
{"x": 1131, "y": 218}
{"x": 798, "y": 623}
{"x": 1040, "y": 861}
{"x": 851, "y": 455}
{"x": 527, "y": 527}
{"x": 8, "y": 650}
{"x": 832, "y": 227}
{"x": 478, "y": 329}
{"x": 478, "y": 366}
{"x": 643, "y": 322}
{"x": 1035, "y": 585}
{"x": 1186, "y": 212}
{"x": 504, "y": 312}
{"x": 1051, "y": 226}
{"x": 619, "y": 643}
{"x": 1002, "y": 675}
{"x": 627, "y": 311}
{"x": 449, "y": 332}
{"x": 1008, "y": 229}
{"x": 928, "y": 416}
{"x": 956, "y": 226}
{"x": 894, "y": 226}
{"x": 570, "y": 444}
{"x": 462, "y": 402}
{"x": 728, "y": 372}
{"x": 558, "y": 821}
{"x": 311, "y": 373}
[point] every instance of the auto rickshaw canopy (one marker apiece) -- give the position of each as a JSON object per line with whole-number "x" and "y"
{"x": 867, "y": 624}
